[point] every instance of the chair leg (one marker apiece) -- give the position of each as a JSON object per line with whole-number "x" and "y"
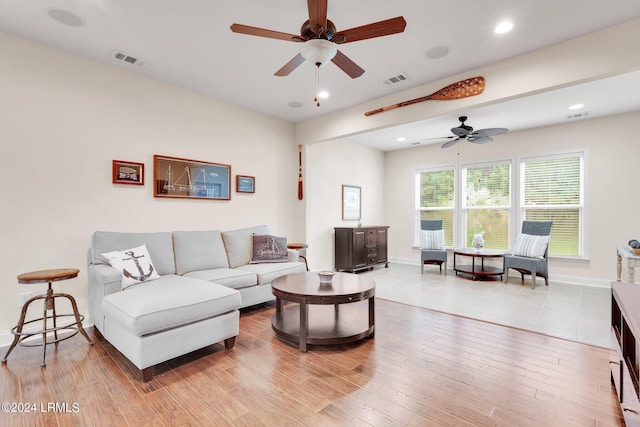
{"x": 533, "y": 279}
{"x": 506, "y": 275}
{"x": 422, "y": 267}
{"x": 445, "y": 269}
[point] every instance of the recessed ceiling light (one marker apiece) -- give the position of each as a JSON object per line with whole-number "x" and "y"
{"x": 576, "y": 106}
{"x": 401, "y": 139}
{"x": 503, "y": 27}
{"x": 65, "y": 17}
{"x": 323, "y": 94}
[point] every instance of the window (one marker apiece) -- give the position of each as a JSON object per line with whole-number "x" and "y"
{"x": 486, "y": 203}
{"x": 552, "y": 189}
{"x": 436, "y": 199}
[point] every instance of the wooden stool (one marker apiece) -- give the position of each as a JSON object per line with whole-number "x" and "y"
{"x": 47, "y": 276}
{"x": 299, "y": 247}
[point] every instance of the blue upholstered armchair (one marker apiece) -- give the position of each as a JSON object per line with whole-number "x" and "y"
{"x": 432, "y": 251}
{"x": 530, "y": 255}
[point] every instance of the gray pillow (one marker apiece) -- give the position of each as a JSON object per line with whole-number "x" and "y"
{"x": 267, "y": 248}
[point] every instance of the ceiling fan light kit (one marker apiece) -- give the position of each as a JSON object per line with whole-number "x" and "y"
{"x": 319, "y": 51}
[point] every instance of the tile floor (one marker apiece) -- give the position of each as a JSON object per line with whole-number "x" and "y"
{"x": 577, "y": 313}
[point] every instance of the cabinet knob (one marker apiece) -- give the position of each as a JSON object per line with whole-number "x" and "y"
{"x": 614, "y": 362}
{"x": 628, "y": 408}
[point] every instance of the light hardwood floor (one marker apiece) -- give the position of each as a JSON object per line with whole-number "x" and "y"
{"x": 423, "y": 368}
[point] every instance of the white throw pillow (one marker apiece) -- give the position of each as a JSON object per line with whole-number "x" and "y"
{"x": 134, "y": 264}
{"x": 432, "y": 239}
{"x": 531, "y": 246}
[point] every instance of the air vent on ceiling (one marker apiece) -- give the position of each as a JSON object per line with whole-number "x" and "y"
{"x": 395, "y": 79}
{"x": 121, "y": 56}
{"x": 579, "y": 115}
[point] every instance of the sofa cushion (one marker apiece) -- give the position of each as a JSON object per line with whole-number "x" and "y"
{"x": 238, "y": 244}
{"x": 167, "y": 303}
{"x": 268, "y": 248}
{"x": 267, "y": 272}
{"x": 135, "y": 265}
{"x": 159, "y": 245}
{"x": 199, "y": 250}
{"x": 232, "y": 278}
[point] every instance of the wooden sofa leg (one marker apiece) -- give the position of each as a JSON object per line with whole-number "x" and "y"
{"x": 229, "y": 343}
{"x": 147, "y": 373}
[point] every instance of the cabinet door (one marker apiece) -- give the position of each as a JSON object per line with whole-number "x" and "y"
{"x": 382, "y": 245}
{"x": 359, "y": 249}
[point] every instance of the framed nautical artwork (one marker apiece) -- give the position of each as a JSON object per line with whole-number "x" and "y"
{"x": 124, "y": 172}
{"x": 245, "y": 184}
{"x": 190, "y": 179}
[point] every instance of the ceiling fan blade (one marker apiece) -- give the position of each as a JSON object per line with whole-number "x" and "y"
{"x": 450, "y": 142}
{"x": 347, "y": 65}
{"x": 490, "y": 131}
{"x": 261, "y": 32}
{"x": 317, "y": 15}
{"x": 290, "y": 66}
{"x": 480, "y": 139}
{"x": 459, "y": 131}
{"x": 369, "y": 31}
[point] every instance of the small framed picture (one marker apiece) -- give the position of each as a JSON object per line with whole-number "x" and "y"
{"x": 351, "y": 203}
{"x": 127, "y": 172}
{"x": 245, "y": 184}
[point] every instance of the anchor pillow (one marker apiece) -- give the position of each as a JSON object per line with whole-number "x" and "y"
{"x": 134, "y": 264}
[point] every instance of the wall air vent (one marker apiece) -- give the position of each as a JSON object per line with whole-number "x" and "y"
{"x": 121, "y": 56}
{"x": 396, "y": 79}
{"x": 581, "y": 115}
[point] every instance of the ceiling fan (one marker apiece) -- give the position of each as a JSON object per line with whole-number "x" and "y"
{"x": 481, "y": 136}
{"x": 320, "y": 38}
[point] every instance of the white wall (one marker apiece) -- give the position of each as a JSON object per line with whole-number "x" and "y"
{"x": 329, "y": 166}
{"x": 611, "y": 202}
{"x": 63, "y": 120}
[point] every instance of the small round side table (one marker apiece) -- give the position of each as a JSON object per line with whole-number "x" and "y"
{"x": 299, "y": 247}
{"x": 47, "y": 276}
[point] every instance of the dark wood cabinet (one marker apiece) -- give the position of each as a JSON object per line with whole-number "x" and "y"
{"x": 625, "y": 344}
{"x": 360, "y": 248}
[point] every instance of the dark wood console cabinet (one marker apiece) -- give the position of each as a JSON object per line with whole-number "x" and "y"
{"x": 625, "y": 344}
{"x": 360, "y": 248}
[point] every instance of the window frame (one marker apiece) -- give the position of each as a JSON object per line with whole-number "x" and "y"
{"x": 418, "y": 209}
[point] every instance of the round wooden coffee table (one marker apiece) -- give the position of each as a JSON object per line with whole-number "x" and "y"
{"x": 341, "y": 312}
{"x": 478, "y": 270}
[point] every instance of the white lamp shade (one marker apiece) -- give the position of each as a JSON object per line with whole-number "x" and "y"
{"x": 318, "y": 51}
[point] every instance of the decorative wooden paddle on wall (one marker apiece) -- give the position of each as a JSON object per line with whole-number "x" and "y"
{"x": 462, "y": 89}
{"x": 299, "y": 171}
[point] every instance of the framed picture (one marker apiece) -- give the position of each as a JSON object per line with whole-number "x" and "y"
{"x": 190, "y": 179}
{"x": 351, "y": 208}
{"x": 245, "y": 184}
{"x": 127, "y": 172}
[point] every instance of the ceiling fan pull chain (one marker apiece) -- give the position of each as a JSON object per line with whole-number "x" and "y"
{"x": 317, "y": 98}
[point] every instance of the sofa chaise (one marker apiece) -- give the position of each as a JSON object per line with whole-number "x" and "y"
{"x": 189, "y": 294}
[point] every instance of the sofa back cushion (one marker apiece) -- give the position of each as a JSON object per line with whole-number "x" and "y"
{"x": 159, "y": 245}
{"x": 239, "y": 244}
{"x": 199, "y": 250}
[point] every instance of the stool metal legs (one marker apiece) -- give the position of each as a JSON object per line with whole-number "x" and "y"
{"x": 49, "y": 304}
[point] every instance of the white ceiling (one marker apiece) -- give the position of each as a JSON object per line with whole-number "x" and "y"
{"x": 188, "y": 43}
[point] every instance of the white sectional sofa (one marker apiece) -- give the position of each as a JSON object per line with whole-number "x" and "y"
{"x": 205, "y": 277}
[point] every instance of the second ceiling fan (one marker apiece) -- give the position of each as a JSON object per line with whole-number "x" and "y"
{"x": 481, "y": 136}
{"x": 320, "y": 38}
